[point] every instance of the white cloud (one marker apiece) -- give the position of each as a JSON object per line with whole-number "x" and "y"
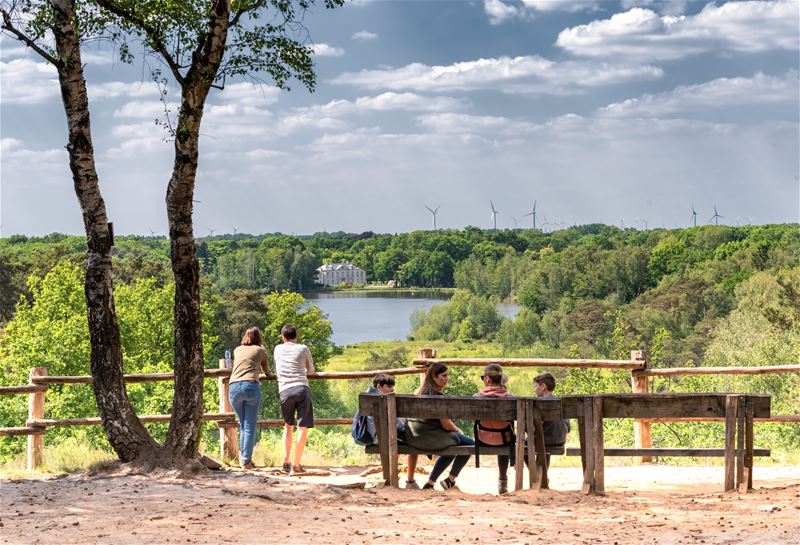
{"x": 479, "y": 124}
{"x": 115, "y": 89}
{"x": 145, "y": 109}
{"x": 364, "y": 36}
{"x": 701, "y": 99}
{"x": 500, "y": 12}
{"x": 28, "y": 82}
{"x": 249, "y": 94}
{"x": 561, "y": 5}
{"x": 749, "y": 26}
{"x": 325, "y": 50}
{"x": 530, "y": 74}
{"x": 665, "y": 7}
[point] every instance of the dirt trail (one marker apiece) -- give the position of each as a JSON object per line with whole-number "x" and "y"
{"x": 643, "y": 504}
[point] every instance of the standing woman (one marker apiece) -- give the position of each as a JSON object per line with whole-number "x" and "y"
{"x": 249, "y": 359}
{"x": 437, "y": 434}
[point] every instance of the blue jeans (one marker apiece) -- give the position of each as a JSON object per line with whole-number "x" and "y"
{"x": 245, "y": 396}
{"x": 458, "y": 461}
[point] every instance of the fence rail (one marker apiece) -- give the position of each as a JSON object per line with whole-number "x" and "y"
{"x": 39, "y": 381}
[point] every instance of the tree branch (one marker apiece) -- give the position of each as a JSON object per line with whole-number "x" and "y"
{"x": 152, "y": 34}
{"x": 8, "y": 26}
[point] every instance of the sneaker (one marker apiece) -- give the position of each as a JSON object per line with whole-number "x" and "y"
{"x": 287, "y": 467}
{"x": 248, "y": 466}
{"x": 427, "y": 486}
{"x": 298, "y": 470}
{"x": 447, "y": 484}
{"x": 412, "y": 485}
{"x": 502, "y": 486}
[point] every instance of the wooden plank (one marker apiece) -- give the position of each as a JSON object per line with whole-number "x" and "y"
{"x": 463, "y": 450}
{"x": 224, "y": 419}
{"x": 742, "y": 404}
{"x": 26, "y": 389}
{"x": 534, "y": 475}
{"x": 650, "y": 406}
{"x": 731, "y": 404}
{"x": 6, "y": 432}
{"x": 382, "y": 431}
{"x": 228, "y": 435}
{"x": 664, "y": 452}
{"x": 519, "y": 467}
{"x": 534, "y": 362}
{"x": 642, "y": 437}
{"x": 775, "y": 418}
{"x": 35, "y": 445}
{"x": 391, "y": 427}
{"x": 541, "y": 455}
{"x": 760, "y": 370}
{"x": 748, "y": 445}
{"x": 581, "y": 438}
{"x": 587, "y": 454}
{"x": 597, "y": 432}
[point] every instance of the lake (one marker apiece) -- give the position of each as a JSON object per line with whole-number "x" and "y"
{"x": 360, "y": 316}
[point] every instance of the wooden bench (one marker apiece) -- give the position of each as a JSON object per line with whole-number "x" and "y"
{"x": 528, "y": 413}
{"x": 738, "y": 411}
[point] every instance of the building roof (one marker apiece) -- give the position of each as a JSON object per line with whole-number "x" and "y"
{"x": 338, "y": 267}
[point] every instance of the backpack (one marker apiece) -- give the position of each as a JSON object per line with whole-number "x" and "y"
{"x": 363, "y": 431}
{"x": 496, "y": 437}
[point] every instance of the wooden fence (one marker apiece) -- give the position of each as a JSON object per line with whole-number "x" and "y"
{"x": 38, "y": 382}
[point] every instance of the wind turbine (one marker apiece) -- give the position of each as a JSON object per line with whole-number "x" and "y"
{"x": 433, "y": 211}
{"x": 516, "y": 221}
{"x": 235, "y": 230}
{"x": 716, "y": 217}
{"x": 694, "y": 216}
{"x": 210, "y": 231}
{"x": 494, "y": 215}
{"x": 532, "y": 213}
{"x": 152, "y": 233}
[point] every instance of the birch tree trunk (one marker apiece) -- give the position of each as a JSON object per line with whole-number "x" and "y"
{"x": 126, "y": 434}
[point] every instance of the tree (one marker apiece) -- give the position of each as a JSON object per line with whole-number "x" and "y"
{"x": 192, "y": 40}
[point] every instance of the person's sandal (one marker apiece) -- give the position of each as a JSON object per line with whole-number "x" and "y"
{"x": 298, "y": 470}
{"x": 447, "y": 484}
{"x": 427, "y": 486}
{"x": 412, "y": 485}
{"x": 287, "y": 467}
{"x": 248, "y": 465}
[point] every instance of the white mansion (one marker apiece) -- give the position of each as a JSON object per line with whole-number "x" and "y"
{"x": 333, "y": 274}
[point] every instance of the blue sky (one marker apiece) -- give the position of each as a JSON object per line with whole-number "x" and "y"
{"x": 624, "y": 112}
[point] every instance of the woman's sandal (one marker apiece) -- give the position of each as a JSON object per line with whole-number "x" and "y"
{"x": 447, "y": 484}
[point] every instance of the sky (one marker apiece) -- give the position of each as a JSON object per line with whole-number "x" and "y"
{"x": 630, "y": 112}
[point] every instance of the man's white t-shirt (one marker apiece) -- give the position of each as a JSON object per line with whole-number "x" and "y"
{"x": 293, "y": 363}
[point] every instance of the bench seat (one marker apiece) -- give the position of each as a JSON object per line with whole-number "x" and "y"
{"x": 697, "y": 452}
{"x": 458, "y": 450}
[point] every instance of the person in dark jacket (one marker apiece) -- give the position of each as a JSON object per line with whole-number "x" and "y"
{"x": 437, "y": 434}
{"x": 555, "y": 431}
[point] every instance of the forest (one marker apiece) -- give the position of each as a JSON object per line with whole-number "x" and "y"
{"x": 710, "y": 295}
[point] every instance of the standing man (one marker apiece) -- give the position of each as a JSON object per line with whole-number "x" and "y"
{"x": 293, "y": 364}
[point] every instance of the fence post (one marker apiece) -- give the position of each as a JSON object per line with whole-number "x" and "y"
{"x": 425, "y": 353}
{"x": 35, "y": 412}
{"x": 641, "y": 430}
{"x": 228, "y": 435}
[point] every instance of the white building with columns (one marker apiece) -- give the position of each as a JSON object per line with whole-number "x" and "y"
{"x": 333, "y": 274}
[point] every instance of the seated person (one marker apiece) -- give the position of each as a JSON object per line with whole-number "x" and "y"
{"x": 364, "y": 431}
{"x": 431, "y": 435}
{"x": 554, "y": 431}
{"x": 495, "y": 432}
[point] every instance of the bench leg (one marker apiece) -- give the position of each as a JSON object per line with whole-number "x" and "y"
{"x": 588, "y": 447}
{"x": 599, "y": 448}
{"x": 383, "y": 438}
{"x": 391, "y": 428}
{"x": 748, "y": 442}
{"x": 731, "y": 404}
{"x": 519, "y": 468}
{"x": 541, "y": 456}
{"x": 741, "y": 483}
{"x": 530, "y": 451}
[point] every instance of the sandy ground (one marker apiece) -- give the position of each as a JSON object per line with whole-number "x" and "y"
{"x": 643, "y": 504}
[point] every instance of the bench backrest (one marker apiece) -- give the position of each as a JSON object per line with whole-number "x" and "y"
{"x": 664, "y": 405}
{"x": 465, "y": 408}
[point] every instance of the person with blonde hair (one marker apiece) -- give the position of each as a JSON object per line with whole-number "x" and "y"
{"x": 496, "y": 433}
{"x": 249, "y": 359}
